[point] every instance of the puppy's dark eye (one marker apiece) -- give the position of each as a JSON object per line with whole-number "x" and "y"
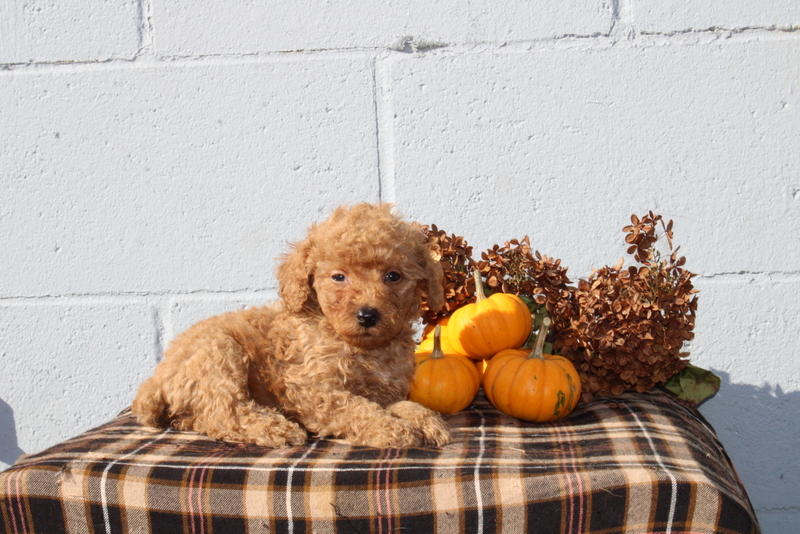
{"x": 338, "y": 277}
{"x": 392, "y": 276}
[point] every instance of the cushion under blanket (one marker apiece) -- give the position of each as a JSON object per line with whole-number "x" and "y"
{"x": 637, "y": 463}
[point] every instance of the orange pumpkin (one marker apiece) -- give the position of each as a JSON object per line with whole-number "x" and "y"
{"x": 446, "y": 383}
{"x": 426, "y": 344}
{"x": 489, "y": 325}
{"x": 531, "y": 385}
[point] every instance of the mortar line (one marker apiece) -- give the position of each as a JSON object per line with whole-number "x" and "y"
{"x": 146, "y": 29}
{"x": 384, "y": 128}
{"x": 620, "y": 33}
{"x": 270, "y": 293}
{"x": 159, "y": 332}
{"x": 376, "y": 122}
{"x": 732, "y": 275}
{"x": 138, "y": 296}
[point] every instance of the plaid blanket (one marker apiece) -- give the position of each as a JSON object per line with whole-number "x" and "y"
{"x": 638, "y": 463}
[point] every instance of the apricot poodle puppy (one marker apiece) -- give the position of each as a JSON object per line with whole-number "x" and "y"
{"x": 333, "y": 357}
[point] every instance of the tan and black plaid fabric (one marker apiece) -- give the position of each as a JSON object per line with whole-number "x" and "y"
{"x": 638, "y": 463}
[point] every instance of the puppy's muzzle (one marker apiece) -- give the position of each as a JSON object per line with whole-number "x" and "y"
{"x": 368, "y": 317}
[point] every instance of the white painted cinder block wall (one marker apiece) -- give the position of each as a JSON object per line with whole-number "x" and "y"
{"x": 155, "y": 158}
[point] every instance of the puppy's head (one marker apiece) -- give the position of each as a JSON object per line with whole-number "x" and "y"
{"x": 366, "y": 271}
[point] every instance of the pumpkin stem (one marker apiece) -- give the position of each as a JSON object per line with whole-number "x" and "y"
{"x": 539, "y": 345}
{"x": 480, "y": 294}
{"x": 437, "y": 353}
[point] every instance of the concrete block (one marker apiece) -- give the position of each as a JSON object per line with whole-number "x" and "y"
{"x": 186, "y": 310}
{"x": 204, "y": 27}
{"x": 176, "y": 178}
{"x": 737, "y": 311}
{"x": 669, "y": 16}
{"x": 69, "y": 366}
{"x": 564, "y": 145}
{"x": 68, "y": 31}
{"x": 777, "y": 521}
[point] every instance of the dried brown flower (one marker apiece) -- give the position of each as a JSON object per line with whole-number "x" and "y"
{"x": 622, "y": 328}
{"x": 625, "y": 328}
{"x": 515, "y": 268}
{"x": 455, "y": 256}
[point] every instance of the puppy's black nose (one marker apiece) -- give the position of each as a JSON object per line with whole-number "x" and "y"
{"x": 368, "y": 317}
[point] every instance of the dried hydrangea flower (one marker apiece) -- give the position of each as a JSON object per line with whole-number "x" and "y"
{"x": 622, "y": 328}
{"x": 625, "y": 328}
{"x": 455, "y": 256}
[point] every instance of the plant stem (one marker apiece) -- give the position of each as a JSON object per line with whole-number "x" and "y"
{"x": 437, "y": 353}
{"x": 539, "y": 345}
{"x": 480, "y": 294}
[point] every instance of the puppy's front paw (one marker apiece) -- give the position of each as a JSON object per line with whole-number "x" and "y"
{"x": 270, "y": 429}
{"x": 430, "y": 424}
{"x": 294, "y": 435}
{"x": 388, "y": 431}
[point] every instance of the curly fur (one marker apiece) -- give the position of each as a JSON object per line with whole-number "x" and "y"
{"x": 333, "y": 357}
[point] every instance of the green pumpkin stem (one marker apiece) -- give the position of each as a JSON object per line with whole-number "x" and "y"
{"x": 540, "y": 337}
{"x": 480, "y": 294}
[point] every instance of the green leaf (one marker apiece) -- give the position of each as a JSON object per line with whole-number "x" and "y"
{"x": 538, "y": 313}
{"x": 693, "y": 384}
{"x": 529, "y": 302}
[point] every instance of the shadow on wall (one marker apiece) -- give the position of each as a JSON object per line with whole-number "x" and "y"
{"x": 9, "y": 451}
{"x": 758, "y": 427}
{"x": 769, "y": 403}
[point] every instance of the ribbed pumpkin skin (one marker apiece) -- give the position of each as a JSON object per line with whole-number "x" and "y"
{"x": 531, "y": 388}
{"x": 483, "y": 328}
{"x": 446, "y": 384}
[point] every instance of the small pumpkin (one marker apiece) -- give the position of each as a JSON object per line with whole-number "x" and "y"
{"x": 490, "y": 324}
{"x": 426, "y": 344}
{"x": 531, "y": 385}
{"x": 446, "y": 383}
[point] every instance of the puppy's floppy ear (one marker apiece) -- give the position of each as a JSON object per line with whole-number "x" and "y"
{"x": 295, "y": 279}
